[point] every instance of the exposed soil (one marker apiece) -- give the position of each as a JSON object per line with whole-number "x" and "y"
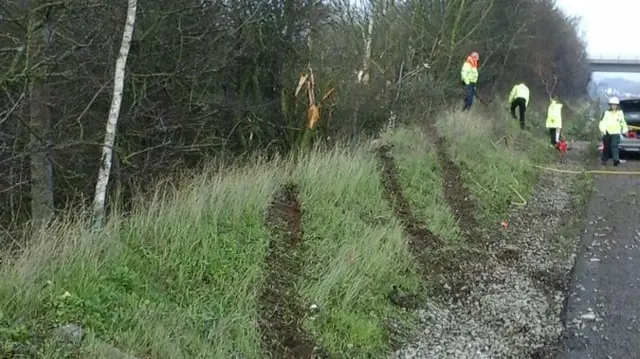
{"x": 281, "y": 312}
{"x": 458, "y": 197}
{"x": 420, "y": 236}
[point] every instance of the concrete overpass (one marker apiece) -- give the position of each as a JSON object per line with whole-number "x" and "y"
{"x": 603, "y": 64}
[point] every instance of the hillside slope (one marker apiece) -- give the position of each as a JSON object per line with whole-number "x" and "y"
{"x": 325, "y": 253}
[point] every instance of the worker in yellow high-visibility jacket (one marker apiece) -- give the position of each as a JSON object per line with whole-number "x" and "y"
{"x": 469, "y": 76}
{"x": 612, "y": 126}
{"x": 519, "y": 98}
{"x": 554, "y": 120}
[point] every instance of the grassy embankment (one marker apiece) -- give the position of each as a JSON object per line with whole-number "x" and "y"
{"x": 197, "y": 271}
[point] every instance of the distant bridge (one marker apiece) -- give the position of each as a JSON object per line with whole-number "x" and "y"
{"x": 603, "y": 64}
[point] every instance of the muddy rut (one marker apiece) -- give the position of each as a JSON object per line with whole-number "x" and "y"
{"x": 458, "y": 196}
{"x": 420, "y": 236}
{"x": 281, "y": 311}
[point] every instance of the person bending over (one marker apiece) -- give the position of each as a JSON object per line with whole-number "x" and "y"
{"x": 519, "y": 98}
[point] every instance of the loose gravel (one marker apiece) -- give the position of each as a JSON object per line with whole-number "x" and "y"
{"x": 513, "y": 307}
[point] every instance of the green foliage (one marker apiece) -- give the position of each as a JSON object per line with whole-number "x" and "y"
{"x": 219, "y": 80}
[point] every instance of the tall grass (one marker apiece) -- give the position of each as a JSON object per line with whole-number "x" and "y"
{"x": 181, "y": 275}
{"x": 179, "y": 278}
{"x": 421, "y": 177}
{"x": 357, "y": 251}
{"x": 495, "y": 151}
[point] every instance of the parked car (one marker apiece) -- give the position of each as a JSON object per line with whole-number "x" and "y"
{"x": 631, "y": 110}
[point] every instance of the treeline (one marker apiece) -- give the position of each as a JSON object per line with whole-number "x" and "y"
{"x": 224, "y": 78}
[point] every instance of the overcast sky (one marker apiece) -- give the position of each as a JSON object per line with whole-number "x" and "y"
{"x": 605, "y": 23}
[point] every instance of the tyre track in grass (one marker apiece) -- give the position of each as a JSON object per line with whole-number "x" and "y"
{"x": 458, "y": 196}
{"x": 421, "y": 237}
{"x": 281, "y": 311}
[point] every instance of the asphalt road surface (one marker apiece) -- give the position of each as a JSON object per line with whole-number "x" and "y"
{"x": 603, "y": 310}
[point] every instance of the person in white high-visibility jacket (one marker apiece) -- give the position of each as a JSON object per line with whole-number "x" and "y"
{"x": 612, "y": 126}
{"x": 554, "y": 120}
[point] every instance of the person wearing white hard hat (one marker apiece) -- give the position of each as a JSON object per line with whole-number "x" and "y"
{"x": 469, "y": 76}
{"x": 612, "y": 126}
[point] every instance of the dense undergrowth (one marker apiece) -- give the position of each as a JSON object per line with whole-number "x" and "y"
{"x": 195, "y": 271}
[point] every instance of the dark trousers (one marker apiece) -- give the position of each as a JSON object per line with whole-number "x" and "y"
{"x": 553, "y": 134}
{"x": 610, "y": 148}
{"x": 469, "y": 93}
{"x": 521, "y": 104}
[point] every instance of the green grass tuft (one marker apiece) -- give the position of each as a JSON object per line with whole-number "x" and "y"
{"x": 495, "y": 167}
{"x": 421, "y": 177}
{"x": 355, "y": 252}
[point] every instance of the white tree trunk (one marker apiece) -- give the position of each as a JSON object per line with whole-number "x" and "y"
{"x": 114, "y": 112}
{"x": 363, "y": 76}
{"x": 377, "y": 7}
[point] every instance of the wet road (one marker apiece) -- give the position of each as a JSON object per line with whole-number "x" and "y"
{"x": 604, "y": 304}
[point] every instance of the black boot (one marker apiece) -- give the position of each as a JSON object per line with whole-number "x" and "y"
{"x": 616, "y": 163}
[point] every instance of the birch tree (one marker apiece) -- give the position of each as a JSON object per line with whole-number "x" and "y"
{"x": 364, "y": 74}
{"x": 114, "y": 112}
